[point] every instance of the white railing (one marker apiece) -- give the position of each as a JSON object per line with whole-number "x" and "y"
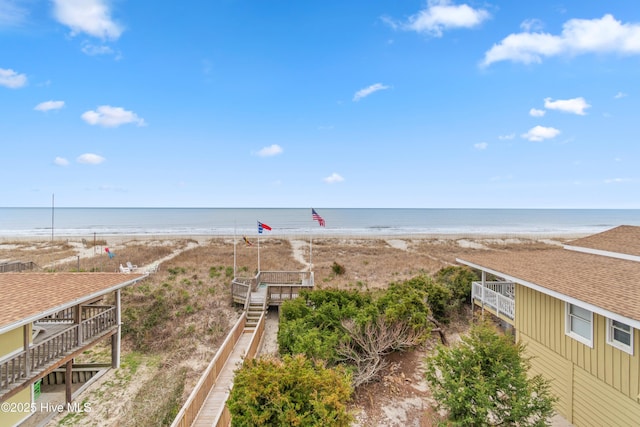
{"x": 499, "y": 296}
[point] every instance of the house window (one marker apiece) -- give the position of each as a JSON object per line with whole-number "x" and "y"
{"x": 620, "y": 335}
{"x": 578, "y": 324}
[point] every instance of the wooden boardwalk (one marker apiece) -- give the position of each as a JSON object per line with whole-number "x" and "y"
{"x": 217, "y": 397}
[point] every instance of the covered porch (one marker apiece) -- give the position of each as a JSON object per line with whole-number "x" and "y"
{"x": 497, "y": 297}
{"x": 53, "y": 341}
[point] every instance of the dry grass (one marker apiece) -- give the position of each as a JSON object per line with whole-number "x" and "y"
{"x": 177, "y": 318}
{"x": 38, "y": 252}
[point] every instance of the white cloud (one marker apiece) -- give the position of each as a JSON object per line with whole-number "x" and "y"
{"x": 269, "y": 151}
{"x": 108, "y": 116}
{"x": 11, "y": 14}
{"x": 92, "y": 17}
{"x": 49, "y": 105}
{"x": 579, "y": 36}
{"x": 574, "y": 105}
{"x": 536, "y": 113}
{"x": 95, "y": 50}
{"x": 616, "y": 180}
{"x": 540, "y": 133}
{"x": 506, "y": 137}
{"x": 333, "y": 178}
{"x": 441, "y": 15}
{"x": 529, "y": 25}
{"x": 480, "y": 146}
{"x": 61, "y": 161}
{"x": 620, "y": 95}
{"x": 11, "y": 79}
{"x": 90, "y": 159}
{"x": 363, "y": 93}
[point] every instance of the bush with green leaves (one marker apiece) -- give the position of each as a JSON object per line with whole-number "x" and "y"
{"x": 421, "y": 292}
{"x": 338, "y": 269}
{"x": 311, "y": 324}
{"x": 458, "y": 280}
{"x": 355, "y": 328}
{"x": 483, "y": 381}
{"x": 291, "y": 392}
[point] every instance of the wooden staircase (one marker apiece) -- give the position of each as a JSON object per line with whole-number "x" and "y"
{"x": 254, "y": 311}
{"x": 257, "y": 306}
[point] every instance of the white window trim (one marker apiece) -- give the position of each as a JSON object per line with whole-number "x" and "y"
{"x": 618, "y": 344}
{"x": 567, "y": 326}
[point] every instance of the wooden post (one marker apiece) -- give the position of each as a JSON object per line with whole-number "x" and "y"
{"x": 77, "y": 319}
{"x": 68, "y": 381}
{"x": 115, "y": 338}
{"x": 27, "y": 356}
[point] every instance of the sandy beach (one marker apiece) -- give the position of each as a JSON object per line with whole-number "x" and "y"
{"x": 193, "y": 277}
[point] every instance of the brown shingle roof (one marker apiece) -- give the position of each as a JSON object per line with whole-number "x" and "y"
{"x": 609, "y": 283}
{"x": 25, "y": 295}
{"x": 624, "y": 239}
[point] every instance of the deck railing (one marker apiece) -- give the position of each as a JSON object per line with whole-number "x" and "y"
{"x": 277, "y": 294}
{"x": 500, "y": 296}
{"x": 44, "y": 354}
{"x": 241, "y": 287}
{"x": 286, "y": 277}
{"x": 282, "y": 285}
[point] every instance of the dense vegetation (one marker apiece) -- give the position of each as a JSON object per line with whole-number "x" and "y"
{"x": 483, "y": 381}
{"x": 292, "y": 392}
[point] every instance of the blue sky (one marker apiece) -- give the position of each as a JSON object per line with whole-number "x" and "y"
{"x": 238, "y": 103}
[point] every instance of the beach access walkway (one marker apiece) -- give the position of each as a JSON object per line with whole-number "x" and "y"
{"x": 206, "y": 406}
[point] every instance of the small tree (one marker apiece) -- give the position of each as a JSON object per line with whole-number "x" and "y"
{"x": 483, "y": 381}
{"x": 291, "y": 392}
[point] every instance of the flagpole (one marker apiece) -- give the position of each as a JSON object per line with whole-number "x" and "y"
{"x": 235, "y": 244}
{"x": 310, "y": 251}
{"x": 258, "y": 250}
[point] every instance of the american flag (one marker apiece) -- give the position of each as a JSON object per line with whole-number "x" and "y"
{"x": 317, "y": 217}
{"x": 262, "y": 226}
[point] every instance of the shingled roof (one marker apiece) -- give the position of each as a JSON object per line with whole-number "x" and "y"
{"x": 624, "y": 239}
{"x": 609, "y": 283}
{"x": 29, "y": 296}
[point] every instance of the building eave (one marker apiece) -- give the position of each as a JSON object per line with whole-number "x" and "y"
{"x": 566, "y": 298}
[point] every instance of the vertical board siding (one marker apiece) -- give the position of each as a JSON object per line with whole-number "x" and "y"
{"x": 554, "y": 368}
{"x": 598, "y": 404}
{"x": 541, "y": 318}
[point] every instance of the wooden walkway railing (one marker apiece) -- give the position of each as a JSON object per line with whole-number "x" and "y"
{"x": 202, "y": 393}
{"x": 282, "y": 285}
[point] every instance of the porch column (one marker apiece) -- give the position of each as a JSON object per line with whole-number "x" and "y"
{"x": 77, "y": 319}
{"x": 68, "y": 380}
{"x": 26, "y": 336}
{"x": 115, "y": 338}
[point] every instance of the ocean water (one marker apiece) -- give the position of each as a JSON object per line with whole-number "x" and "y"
{"x": 85, "y": 222}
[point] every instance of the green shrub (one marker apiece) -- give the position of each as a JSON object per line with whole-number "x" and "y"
{"x": 483, "y": 381}
{"x": 458, "y": 280}
{"x": 291, "y": 392}
{"x": 337, "y": 269}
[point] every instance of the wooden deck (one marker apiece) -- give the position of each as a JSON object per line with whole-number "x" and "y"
{"x": 53, "y": 344}
{"x": 216, "y": 400}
